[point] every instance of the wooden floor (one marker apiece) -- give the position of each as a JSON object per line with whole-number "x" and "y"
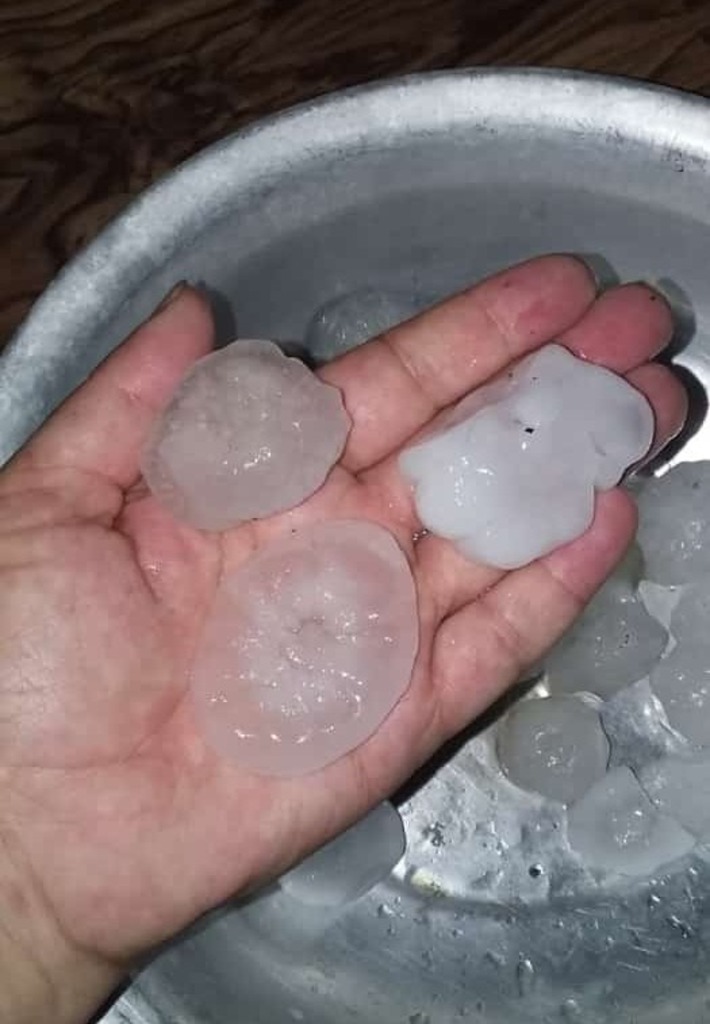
{"x": 98, "y": 97}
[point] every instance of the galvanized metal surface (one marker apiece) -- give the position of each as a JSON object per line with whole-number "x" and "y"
{"x": 420, "y": 185}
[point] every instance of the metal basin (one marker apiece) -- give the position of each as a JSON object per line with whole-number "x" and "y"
{"x": 420, "y": 185}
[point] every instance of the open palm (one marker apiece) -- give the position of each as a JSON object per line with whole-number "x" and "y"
{"x": 129, "y": 824}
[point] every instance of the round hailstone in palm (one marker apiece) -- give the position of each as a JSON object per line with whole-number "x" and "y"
{"x": 615, "y": 827}
{"x": 554, "y": 746}
{"x": 674, "y": 524}
{"x": 681, "y": 788}
{"x": 615, "y": 641}
{"x": 308, "y": 646}
{"x": 352, "y": 863}
{"x": 248, "y": 433}
{"x": 349, "y": 320}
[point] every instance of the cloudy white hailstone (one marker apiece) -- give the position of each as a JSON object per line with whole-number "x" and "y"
{"x": 348, "y": 320}
{"x": 681, "y": 788}
{"x": 308, "y": 646}
{"x": 248, "y": 433}
{"x": 615, "y": 827}
{"x": 512, "y": 472}
{"x": 352, "y": 863}
{"x": 615, "y": 641}
{"x": 554, "y": 746}
{"x": 674, "y": 524}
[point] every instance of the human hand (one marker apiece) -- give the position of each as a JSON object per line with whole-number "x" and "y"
{"x": 116, "y": 818}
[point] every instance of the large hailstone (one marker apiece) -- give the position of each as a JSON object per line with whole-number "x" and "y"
{"x": 308, "y": 646}
{"x": 248, "y": 433}
{"x": 674, "y": 524}
{"x": 681, "y": 788}
{"x": 351, "y": 864}
{"x": 512, "y": 472}
{"x": 682, "y": 679}
{"x": 614, "y": 642}
{"x": 637, "y": 727}
{"x": 615, "y": 827}
{"x": 554, "y": 746}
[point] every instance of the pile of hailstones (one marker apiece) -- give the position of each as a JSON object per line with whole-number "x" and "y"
{"x": 623, "y": 736}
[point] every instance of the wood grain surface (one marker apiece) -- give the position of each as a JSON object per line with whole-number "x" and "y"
{"x": 99, "y": 97}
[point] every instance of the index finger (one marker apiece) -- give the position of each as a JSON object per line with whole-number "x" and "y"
{"x": 394, "y": 384}
{"x": 102, "y": 427}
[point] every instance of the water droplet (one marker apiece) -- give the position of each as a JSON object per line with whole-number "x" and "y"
{"x": 654, "y": 900}
{"x": 525, "y": 976}
{"x": 570, "y": 1011}
{"x": 384, "y": 910}
{"x": 497, "y": 959}
{"x": 536, "y": 870}
{"x": 682, "y": 926}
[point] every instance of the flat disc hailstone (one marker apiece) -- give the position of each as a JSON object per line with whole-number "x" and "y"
{"x": 555, "y": 746}
{"x": 307, "y": 648}
{"x": 682, "y": 679}
{"x": 512, "y": 472}
{"x": 674, "y": 524}
{"x": 249, "y": 433}
{"x": 615, "y": 827}
{"x": 614, "y": 642}
{"x": 351, "y": 864}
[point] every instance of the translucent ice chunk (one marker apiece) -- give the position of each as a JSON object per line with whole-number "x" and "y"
{"x": 615, "y": 641}
{"x": 511, "y": 474}
{"x": 682, "y": 679}
{"x": 283, "y": 922}
{"x": 674, "y": 524}
{"x": 637, "y": 727}
{"x": 309, "y": 645}
{"x": 615, "y": 827}
{"x": 690, "y": 619}
{"x": 352, "y": 863}
{"x": 553, "y": 746}
{"x": 248, "y": 433}
{"x": 682, "y": 683}
{"x": 680, "y": 788}
{"x": 348, "y": 320}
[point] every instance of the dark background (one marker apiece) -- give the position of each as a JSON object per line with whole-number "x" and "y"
{"x": 99, "y": 97}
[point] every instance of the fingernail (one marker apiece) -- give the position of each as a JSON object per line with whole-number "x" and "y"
{"x": 174, "y": 293}
{"x": 599, "y": 269}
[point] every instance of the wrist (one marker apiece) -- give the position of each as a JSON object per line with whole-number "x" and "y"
{"x": 44, "y": 977}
